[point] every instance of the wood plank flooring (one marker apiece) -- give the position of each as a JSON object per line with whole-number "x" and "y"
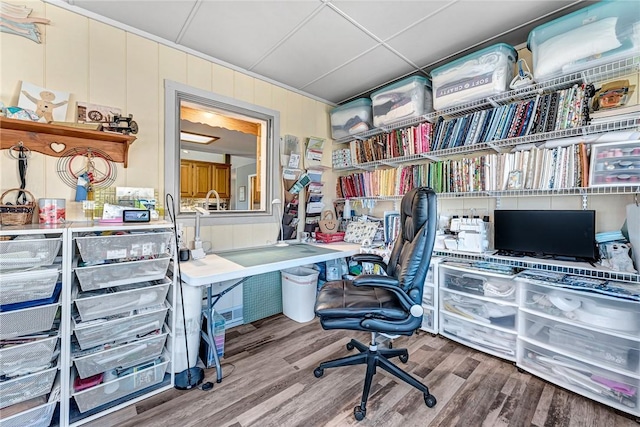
{"x": 268, "y": 381}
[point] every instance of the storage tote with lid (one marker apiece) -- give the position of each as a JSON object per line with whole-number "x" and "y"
{"x": 600, "y": 33}
{"x": 478, "y": 75}
{"x": 406, "y": 99}
{"x": 351, "y": 118}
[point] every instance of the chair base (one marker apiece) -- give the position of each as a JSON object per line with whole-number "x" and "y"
{"x": 373, "y": 358}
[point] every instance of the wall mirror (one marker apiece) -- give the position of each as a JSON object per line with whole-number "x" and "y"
{"x": 220, "y": 154}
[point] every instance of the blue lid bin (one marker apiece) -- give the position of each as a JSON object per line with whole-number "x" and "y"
{"x": 406, "y": 99}
{"x": 351, "y": 118}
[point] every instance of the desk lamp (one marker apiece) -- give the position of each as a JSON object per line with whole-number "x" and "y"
{"x": 278, "y": 202}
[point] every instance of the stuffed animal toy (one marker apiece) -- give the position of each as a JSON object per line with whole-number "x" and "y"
{"x": 618, "y": 258}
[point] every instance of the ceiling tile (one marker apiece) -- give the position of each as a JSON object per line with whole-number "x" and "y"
{"x": 359, "y": 76}
{"x": 386, "y": 18}
{"x": 165, "y": 19}
{"x": 324, "y": 43}
{"x": 465, "y": 24}
{"x": 240, "y": 32}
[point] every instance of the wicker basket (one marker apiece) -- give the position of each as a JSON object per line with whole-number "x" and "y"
{"x": 16, "y": 214}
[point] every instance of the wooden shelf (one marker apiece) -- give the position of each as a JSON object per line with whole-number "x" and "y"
{"x": 56, "y": 140}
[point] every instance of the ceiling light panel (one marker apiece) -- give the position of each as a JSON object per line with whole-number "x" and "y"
{"x": 198, "y": 139}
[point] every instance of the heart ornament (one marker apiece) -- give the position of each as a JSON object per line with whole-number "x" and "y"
{"x": 57, "y": 147}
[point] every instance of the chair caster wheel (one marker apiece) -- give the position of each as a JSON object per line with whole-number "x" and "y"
{"x": 359, "y": 413}
{"x": 390, "y": 345}
{"x": 350, "y": 346}
{"x": 430, "y": 400}
{"x": 404, "y": 358}
{"x": 318, "y": 372}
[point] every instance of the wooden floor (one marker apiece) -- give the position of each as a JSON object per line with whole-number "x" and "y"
{"x": 269, "y": 381}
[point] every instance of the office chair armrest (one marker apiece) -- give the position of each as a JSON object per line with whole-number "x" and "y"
{"x": 385, "y": 282}
{"x": 371, "y": 258}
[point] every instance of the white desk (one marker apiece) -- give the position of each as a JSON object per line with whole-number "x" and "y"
{"x": 219, "y": 267}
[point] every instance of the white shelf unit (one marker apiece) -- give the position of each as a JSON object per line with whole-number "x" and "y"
{"x": 586, "y": 342}
{"x": 33, "y": 263}
{"x": 430, "y": 298}
{"x": 119, "y": 319}
{"x": 479, "y": 309}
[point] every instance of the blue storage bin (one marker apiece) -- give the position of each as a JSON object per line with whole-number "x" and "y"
{"x": 475, "y": 76}
{"x": 353, "y": 117}
{"x": 408, "y": 98}
{"x": 604, "y": 32}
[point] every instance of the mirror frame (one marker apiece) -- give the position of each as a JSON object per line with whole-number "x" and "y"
{"x": 174, "y": 94}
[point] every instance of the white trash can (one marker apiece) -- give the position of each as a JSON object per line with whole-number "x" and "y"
{"x": 299, "y": 293}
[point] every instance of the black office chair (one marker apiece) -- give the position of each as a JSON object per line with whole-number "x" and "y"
{"x": 388, "y": 304}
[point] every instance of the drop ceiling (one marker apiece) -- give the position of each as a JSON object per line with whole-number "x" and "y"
{"x": 333, "y": 50}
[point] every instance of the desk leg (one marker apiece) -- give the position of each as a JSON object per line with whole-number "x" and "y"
{"x": 209, "y": 338}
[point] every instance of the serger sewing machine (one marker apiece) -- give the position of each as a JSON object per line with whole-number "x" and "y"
{"x": 470, "y": 235}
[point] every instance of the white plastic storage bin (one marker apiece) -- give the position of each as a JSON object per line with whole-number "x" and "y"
{"x": 611, "y": 388}
{"x": 428, "y": 295}
{"x": 486, "y": 339}
{"x": 26, "y": 387}
{"x": 478, "y": 310}
{"x": 39, "y": 416}
{"x": 350, "y": 118}
{"x": 134, "y": 245}
{"x": 28, "y": 253}
{"x": 481, "y": 283}
{"x": 121, "y": 357}
{"x": 587, "y": 309}
{"x": 124, "y": 273}
{"x": 299, "y": 293}
{"x": 601, "y": 33}
{"x": 118, "y": 330}
{"x": 120, "y": 387}
{"x": 98, "y": 304}
{"x": 428, "y": 319}
{"x": 596, "y": 347}
{"x": 27, "y": 321}
{"x": 478, "y": 75}
{"x": 406, "y": 99}
{"x": 26, "y": 358}
{"x": 27, "y": 285}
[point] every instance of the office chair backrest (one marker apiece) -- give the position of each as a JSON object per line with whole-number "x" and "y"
{"x": 411, "y": 254}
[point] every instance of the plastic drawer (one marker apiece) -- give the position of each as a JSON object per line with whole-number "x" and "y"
{"x": 406, "y": 99}
{"x": 427, "y": 295}
{"x": 596, "y": 347}
{"x": 475, "y": 76}
{"x": 134, "y": 245}
{"x": 94, "y": 306}
{"x": 27, "y": 285}
{"x": 124, "y": 273}
{"x": 492, "y": 341}
{"x": 118, "y": 330}
{"x": 427, "y": 319}
{"x": 600, "y": 33}
{"x": 351, "y": 118}
{"x": 120, "y": 357}
{"x": 40, "y": 416}
{"x": 501, "y": 287}
{"x": 597, "y": 312}
{"x": 26, "y": 387}
{"x": 120, "y": 387}
{"x": 27, "y": 321}
{"x": 478, "y": 310}
{"x": 26, "y": 253}
{"x": 615, "y": 164}
{"x": 27, "y": 358}
{"x": 611, "y": 388}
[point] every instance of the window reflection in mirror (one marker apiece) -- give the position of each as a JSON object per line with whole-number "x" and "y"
{"x": 221, "y": 148}
{"x": 219, "y": 151}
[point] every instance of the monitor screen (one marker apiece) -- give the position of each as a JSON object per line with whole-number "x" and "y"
{"x": 556, "y": 233}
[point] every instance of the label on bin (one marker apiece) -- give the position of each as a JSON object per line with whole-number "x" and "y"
{"x": 464, "y": 84}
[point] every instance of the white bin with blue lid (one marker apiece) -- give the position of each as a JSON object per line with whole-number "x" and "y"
{"x": 406, "y": 99}
{"x": 603, "y": 32}
{"x": 351, "y": 118}
{"x": 478, "y": 75}
{"x": 299, "y": 293}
